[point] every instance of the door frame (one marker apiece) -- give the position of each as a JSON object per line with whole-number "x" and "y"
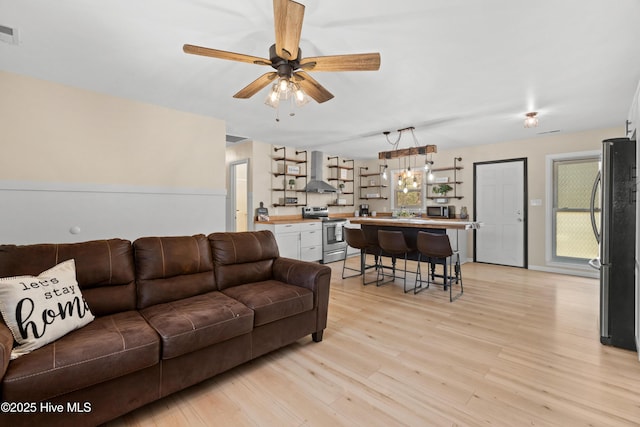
{"x": 231, "y": 211}
{"x": 525, "y": 205}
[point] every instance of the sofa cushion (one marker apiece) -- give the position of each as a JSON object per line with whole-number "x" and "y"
{"x": 40, "y": 309}
{"x": 104, "y": 269}
{"x": 172, "y": 268}
{"x": 108, "y": 347}
{"x": 193, "y": 323}
{"x": 244, "y": 257}
{"x": 272, "y": 300}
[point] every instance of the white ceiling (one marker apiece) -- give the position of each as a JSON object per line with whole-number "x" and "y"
{"x": 461, "y": 72}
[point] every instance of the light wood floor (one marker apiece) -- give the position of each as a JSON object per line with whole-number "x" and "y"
{"x": 518, "y": 348}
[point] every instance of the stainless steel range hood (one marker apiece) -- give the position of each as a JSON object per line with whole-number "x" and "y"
{"x": 316, "y": 184}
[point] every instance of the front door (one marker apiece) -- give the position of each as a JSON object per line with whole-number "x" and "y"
{"x": 500, "y": 205}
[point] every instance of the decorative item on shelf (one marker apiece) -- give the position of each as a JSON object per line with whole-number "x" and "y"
{"x": 293, "y": 170}
{"x": 292, "y": 184}
{"x": 442, "y": 189}
{"x": 341, "y": 187}
{"x": 464, "y": 214}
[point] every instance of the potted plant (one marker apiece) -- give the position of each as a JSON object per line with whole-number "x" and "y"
{"x": 292, "y": 184}
{"x": 341, "y": 186}
{"x": 442, "y": 189}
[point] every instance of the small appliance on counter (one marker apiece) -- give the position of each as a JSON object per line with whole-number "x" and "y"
{"x": 364, "y": 210}
{"x": 441, "y": 211}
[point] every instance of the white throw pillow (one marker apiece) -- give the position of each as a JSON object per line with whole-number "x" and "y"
{"x": 41, "y": 309}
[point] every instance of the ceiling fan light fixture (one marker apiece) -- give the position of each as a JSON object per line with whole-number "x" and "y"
{"x": 300, "y": 96}
{"x": 531, "y": 120}
{"x": 273, "y": 99}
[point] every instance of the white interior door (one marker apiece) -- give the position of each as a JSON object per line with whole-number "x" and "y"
{"x": 500, "y": 207}
{"x": 238, "y": 196}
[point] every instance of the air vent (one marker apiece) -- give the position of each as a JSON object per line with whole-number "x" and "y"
{"x": 8, "y": 34}
{"x": 232, "y": 139}
{"x": 548, "y": 132}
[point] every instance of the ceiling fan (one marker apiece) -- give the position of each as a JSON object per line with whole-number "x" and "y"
{"x": 291, "y": 77}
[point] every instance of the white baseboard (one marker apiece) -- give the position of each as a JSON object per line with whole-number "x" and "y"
{"x": 587, "y": 272}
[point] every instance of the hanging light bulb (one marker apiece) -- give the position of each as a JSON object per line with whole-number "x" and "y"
{"x": 301, "y": 98}
{"x": 384, "y": 172}
{"x": 405, "y": 190}
{"x": 284, "y": 84}
{"x": 415, "y": 182}
{"x": 273, "y": 99}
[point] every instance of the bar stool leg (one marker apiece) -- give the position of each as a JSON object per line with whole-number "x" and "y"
{"x": 458, "y": 272}
{"x": 417, "y": 286}
{"x": 344, "y": 267}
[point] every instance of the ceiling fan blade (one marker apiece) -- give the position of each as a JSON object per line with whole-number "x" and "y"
{"x": 311, "y": 87}
{"x": 354, "y": 62}
{"x": 287, "y": 17}
{"x": 221, "y": 54}
{"x": 256, "y": 85}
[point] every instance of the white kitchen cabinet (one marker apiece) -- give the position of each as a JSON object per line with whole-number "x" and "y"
{"x": 299, "y": 240}
{"x": 311, "y": 241}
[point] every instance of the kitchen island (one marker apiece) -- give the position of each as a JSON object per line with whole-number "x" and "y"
{"x": 456, "y": 229}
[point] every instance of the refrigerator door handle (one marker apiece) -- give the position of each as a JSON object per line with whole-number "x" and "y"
{"x": 594, "y": 192}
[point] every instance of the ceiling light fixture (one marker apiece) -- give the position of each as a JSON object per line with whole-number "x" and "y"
{"x": 284, "y": 89}
{"x": 407, "y": 175}
{"x": 532, "y": 120}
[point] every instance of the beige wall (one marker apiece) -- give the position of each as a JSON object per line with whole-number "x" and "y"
{"x": 78, "y": 165}
{"x": 56, "y": 133}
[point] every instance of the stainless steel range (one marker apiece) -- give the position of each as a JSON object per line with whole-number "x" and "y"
{"x": 333, "y": 244}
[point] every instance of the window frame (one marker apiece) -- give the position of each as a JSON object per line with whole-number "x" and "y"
{"x": 551, "y": 195}
{"x": 393, "y": 185}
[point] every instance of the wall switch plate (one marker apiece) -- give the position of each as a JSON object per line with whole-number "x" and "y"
{"x": 536, "y": 202}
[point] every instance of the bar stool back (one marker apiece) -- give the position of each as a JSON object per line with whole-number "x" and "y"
{"x": 437, "y": 248}
{"x": 393, "y": 243}
{"x": 356, "y": 239}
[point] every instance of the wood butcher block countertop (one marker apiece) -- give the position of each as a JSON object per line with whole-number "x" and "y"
{"x": 455, "y": 224}
{"x": 287, "y": 221}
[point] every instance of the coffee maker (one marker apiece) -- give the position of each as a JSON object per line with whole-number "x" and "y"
{"x": 364, "y": 210}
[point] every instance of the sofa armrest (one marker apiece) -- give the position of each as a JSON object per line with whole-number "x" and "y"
{"x": 6, "y": 345}
{"x": 315, "y": 277}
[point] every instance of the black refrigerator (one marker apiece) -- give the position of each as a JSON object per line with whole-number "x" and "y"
{"x": 616, "y": 233}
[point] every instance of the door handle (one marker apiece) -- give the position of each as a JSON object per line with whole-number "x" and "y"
{"x": 519, "y": 219}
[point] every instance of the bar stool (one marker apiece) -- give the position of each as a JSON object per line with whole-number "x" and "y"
{"x": 437, "y": 249}
{"x": 356, "y": 239}
{"x": 393, "y": 243}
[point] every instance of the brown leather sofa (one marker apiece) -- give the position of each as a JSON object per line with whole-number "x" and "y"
{"x": 170, "y": 312}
